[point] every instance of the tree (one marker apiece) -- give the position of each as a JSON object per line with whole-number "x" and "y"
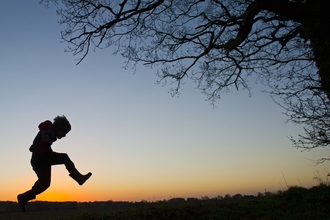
{"x": 237, "y": 196}
{"x": 284, "y": 44}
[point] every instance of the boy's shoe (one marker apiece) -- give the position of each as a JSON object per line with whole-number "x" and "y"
{"x": 81, "y": 179}
{"x": 22, "y": 202}
{"x": 22, "y": 199}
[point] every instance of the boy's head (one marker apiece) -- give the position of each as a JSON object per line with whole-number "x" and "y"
{"x": 62, "y": 126}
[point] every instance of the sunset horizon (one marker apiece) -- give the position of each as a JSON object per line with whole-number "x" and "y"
{"x": 59, "y": 193}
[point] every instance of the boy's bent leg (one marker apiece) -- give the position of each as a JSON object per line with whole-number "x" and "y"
{"x": 62, "y": 158}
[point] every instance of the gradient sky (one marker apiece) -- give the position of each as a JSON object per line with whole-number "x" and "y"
{"x": 138, "y": 141}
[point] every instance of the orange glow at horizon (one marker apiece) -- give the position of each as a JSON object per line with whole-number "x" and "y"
{"x": 64, "y": 189}
{"x": 53, "y": 196}
{"x": 136, "y": 195}
{"x": 91, "y": 194}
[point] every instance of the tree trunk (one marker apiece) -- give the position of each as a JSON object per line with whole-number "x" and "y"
{"x": 316, "y": 26}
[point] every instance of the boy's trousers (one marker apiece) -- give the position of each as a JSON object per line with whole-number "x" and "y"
{"x": 42, "y": 166}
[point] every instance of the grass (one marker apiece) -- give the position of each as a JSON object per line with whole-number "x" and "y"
{"x": 294, "y": 203}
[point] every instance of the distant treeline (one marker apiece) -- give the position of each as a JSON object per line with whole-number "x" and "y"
{"x": 9, "y": 206}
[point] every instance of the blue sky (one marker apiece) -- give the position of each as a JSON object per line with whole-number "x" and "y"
{"x": 138, "y": 141}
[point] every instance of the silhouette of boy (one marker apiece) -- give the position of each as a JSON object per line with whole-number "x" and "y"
{"x": 43, "y": 157}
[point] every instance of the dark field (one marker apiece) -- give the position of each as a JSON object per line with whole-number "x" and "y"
{"x": 295, "y": 203}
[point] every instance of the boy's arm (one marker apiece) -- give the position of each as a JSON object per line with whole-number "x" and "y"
{"x": 42, "y": 142}
{"x": 45, "y": 138}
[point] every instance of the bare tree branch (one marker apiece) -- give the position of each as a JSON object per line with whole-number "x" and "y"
{"x": 284, "y": 44}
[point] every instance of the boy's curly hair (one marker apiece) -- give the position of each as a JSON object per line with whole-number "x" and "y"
{"x": 61, "y": 122}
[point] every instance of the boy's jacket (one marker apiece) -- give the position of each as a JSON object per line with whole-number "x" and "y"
{"x": 38, "y": 145}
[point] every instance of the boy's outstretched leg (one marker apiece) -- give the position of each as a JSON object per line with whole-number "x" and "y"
{"x": 81, "y": 179}
{"x": 62, "y": 158}
{"x": 24, "y": 198}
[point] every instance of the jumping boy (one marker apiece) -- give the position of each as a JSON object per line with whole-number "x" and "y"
{"x": 43, "y": 157}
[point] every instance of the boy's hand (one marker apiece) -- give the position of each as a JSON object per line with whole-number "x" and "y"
{"x": 45, "y": 138}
